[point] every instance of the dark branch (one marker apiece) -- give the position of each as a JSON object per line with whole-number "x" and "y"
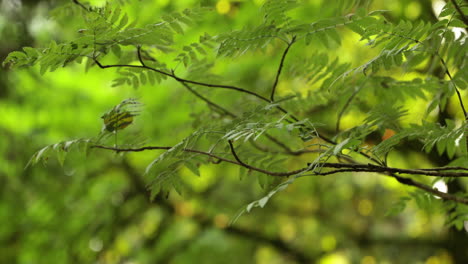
{"x": 184, "y": 81}
{"x": 80, "y": 4}
{"x": 460, "y": 12}
{"x": 348, "y": 102}
{"x": 433, "y": 172}
{"x": 230, "y": 87}
{"x": 273, "y": 89}
{"x": 209, "y": 102}
{"x": 445, "y": 67}
{"x": 139, "y": 56}
{"x": 460, "y": 100}
{"x": 342, "y": 167}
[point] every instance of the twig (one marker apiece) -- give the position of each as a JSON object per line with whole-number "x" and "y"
{"x": 139, "y": 56}
{"x": 460, "y": 12}
{"x": 230, "y": 87}
{"x": 80, "y": 4}
{"x": 456, "y": 89}
{"x": 273, "y": 89}
{"x": 342, "y": 167}
{"x": 429, "y": 189}
{"x": 181, "y": 80}
{"x": 433, "y": 172}
{"x": 343, "y": 110}
{"x": 209, "y": 102}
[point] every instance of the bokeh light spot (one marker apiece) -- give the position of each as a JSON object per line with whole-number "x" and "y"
{"x": 221, "y": 221}
{"x": 441, "y": 186}
{"x": 413, "y": 10}
{"x": 365, "y": 207}
{"x": 368, "y": 260}
{"x": 95, "y": 244}
{"x": 335, "y": 258}
{"x": 223, "y": 7}
{"x": 328, "y": 243}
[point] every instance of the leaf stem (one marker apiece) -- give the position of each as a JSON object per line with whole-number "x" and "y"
{"x": 275, "y": 84}
{"x": 340, "y": 167}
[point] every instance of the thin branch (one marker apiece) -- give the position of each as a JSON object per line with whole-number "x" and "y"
{"x": 139, "y": 56}
{"x": 80, "y": 4}
{"x": 233, "y": 151}
{"x": 345, "y": 107}
{"x": 433, "y": 172}
{"x": 436, "y": 172}
{"x": 181, "y": 80}
{"x": 460, "y": 12}
{"x": 211, "y": 103}
{"x": 230, "y": 87}
{"x": 456, "y": 89}
{"x": 445, "y": 66}
{"x": 279, "y": 143}
{"x": 342, "y": 167}
{"x": 429, "y": 189}
{"x": 208, "y": 102}
{"x": 446, "y": 168}
{"x": 273, "y": 89}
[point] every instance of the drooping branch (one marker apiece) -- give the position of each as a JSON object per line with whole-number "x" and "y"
{"x": 278, "y": 73}
{"x": 444, "y": 64}
{"x": 209, "y": 102}
{"x": 229, "y": 87}
{"x": 345, "y": 107}
{"x": 80, "y": 4}
{"x": 340, "y": 167}
{"x": 242, "y": 90}
{"x": 460, "y": 12}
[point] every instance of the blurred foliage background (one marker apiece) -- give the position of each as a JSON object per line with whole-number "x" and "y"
{"x": 95, "y": 208}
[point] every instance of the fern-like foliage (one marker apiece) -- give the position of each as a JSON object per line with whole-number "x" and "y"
{"x": 60, "y": 150}
{"x": 108, "y": 28}
{"x": 246, "y": 132}
{"x": 164, "y": 170}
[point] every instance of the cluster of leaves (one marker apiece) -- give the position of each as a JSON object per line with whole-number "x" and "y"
{"x": 400, "y": 46}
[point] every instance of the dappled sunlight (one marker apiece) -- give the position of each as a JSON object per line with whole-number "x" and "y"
{"x": 221, "y": 131}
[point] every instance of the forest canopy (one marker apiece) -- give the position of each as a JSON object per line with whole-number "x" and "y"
{"x": 274, "y": 131}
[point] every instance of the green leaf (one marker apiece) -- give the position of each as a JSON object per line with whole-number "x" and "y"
{"x": 398, "y": 206}
{"x": 193, "y": 167}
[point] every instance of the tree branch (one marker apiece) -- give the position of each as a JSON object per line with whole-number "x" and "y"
{"x": 80, "y": 4}
{"x": 345, "y": 107}
{"x": 460, "y": 12}
{"x": 342, "y": 167}
{"x": 185, "y": 81}
{"x": 230, "y": 87}
{"x": 209, "y": 102}
{"x": 273, "y": 89}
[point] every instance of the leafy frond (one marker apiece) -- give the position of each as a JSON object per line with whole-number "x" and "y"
{"x": 107, "y": 28}
{"x": 192, "y": 52}
{"x": 398, "y": 91}
{"x": 253, "y": 130}
{"x": 447, "y": 138}
{"x": 388, "y": 144}
{"x": 60, "y": 149}
{"x": 164, "y": 170}
{"x": 275, "y": 11}
{"x": 236, "y": 43}
{"x": 140, "y": 76}
{"x": 319, "y": 70}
